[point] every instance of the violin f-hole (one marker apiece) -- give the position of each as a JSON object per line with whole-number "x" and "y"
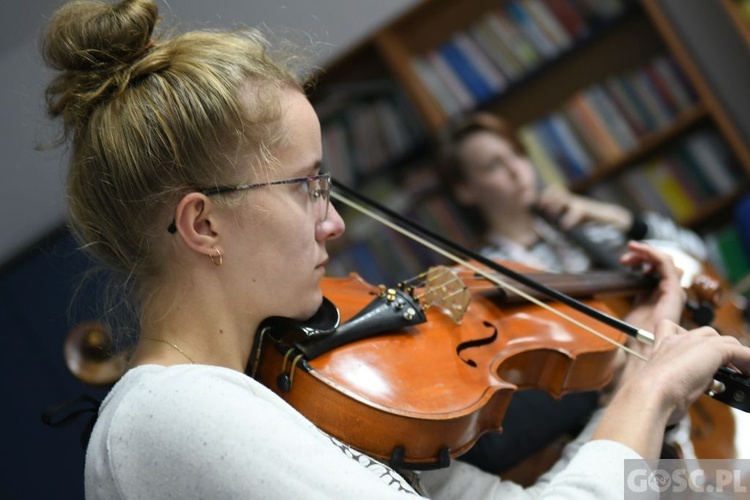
{"x": 469, "y": 344}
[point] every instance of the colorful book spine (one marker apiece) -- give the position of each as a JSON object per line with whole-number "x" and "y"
{"x": 576, "y": 156}
{"x": 336, "y": 152}
{"x": 569, "y": 18}
{"x": 626, "y": 106}
{"x": 526, "y": 23}
{"x": 548, "y": 23}
{"x": 513, "y": 38}
{"x": 630, "y": 106}
{"x": 714, "y": 159}
{"x": 496, "y": 50}
{"x": 611, "y": 117}
{"x": 681, "y": 205}
{"x": 435, "y": 86}
{"x": 663, "y": 70}
{"x": 450, "y": 79}
{"x": 689, "y": 183}
{"x": 480, "y": 62}
{"x": 646, "y": 94}
{"x": 592, "y": 127}
{"x": 553, "y": 143}
{"x": 548, "y": 171}
{"x": 640, "y": 189}
{"x": 727, "y": 253}
{"x": 685, "y": 161}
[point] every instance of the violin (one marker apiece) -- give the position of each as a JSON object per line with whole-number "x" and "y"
{"x": 419, "y": 393}
{"x": 415, "y": 384}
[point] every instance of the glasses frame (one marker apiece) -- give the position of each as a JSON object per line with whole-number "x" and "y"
{"x": 314, "y": 194}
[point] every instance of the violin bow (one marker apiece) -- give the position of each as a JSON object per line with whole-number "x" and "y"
{"x": 616, "y": 323}
{"x": 729, "y": 386}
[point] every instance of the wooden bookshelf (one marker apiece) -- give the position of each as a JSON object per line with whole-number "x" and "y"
{"x": 739, "y": 12}
{"x": 616, "y": 45}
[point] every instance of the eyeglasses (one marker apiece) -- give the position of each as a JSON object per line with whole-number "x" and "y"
{"x": 318, "y": 188}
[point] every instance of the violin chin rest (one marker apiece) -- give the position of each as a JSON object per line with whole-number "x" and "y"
{"x": 324, "y": 322}
{"x": 326, "y": 319}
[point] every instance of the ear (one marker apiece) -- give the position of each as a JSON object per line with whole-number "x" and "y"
{"x": 197, "y": 222}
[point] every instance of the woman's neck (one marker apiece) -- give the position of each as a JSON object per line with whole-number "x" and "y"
{"x": 514, "y": 225}
{"x": 194, "y": 327}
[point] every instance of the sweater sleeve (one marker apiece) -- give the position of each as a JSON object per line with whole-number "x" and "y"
{"x": 219, "y": 436}
{"x": 586, "y": 470}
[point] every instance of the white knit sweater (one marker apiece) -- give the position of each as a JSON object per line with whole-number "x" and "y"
{"x": 195, "y": 431}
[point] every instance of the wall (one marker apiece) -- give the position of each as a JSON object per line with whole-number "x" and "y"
{"x": 32, "y": 180}
{"x": 38, "y": 278}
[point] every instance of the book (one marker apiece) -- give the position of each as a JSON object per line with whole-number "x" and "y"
{"x": 496, "y": 50}
{"x": 395, "y": 136}
{"x": 660, "y": 116}
{"x": 570, "y": 19}
{"x": 642, "y": 191}
{"x": 685, "y": 161}
{"x": 548, "y": 23}
{"x": 524, "y": 51}
{"x": 662, "y": 91}
{"x": 664, "y": 69}
{"x": 680, "y": 204}
{"x": 435, "y": 86}
{"x": 548, "y": 171}
{"x": 553, "y": 143}
{"x": 727, "y": 253}
{"x": 577, "y": 157}
{"x": 367, "y": 149}
{"x": 592, "y": 127}
{"x": 713, "y": 157}
{"x": 479, "y": 61}
{"x": 456, "y": 86}
{"x": 520, "y": 15}
{"x": 465, "y": 70}
{"x": 611, "y": 117}
{"x": 689, "y": 183}
{"x": 582, "y": 141}
{"x": 336, "y": 152}
{"x": 631, "y": 108}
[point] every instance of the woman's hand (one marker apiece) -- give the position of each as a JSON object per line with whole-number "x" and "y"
{"x": 666, "y": 300}
{"x": 571, "y": 209}
{"x": 654, "y": 393}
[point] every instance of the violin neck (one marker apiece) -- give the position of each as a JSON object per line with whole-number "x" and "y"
{"x": 593, "y": 283}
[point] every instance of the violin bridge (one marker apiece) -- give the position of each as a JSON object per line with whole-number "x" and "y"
{"x": 443, "y": 288}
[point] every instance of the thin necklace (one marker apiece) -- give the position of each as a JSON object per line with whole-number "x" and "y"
{"x": 171, "y": 345}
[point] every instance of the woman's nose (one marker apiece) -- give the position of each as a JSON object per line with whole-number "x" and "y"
{"x": 332, "y": 227}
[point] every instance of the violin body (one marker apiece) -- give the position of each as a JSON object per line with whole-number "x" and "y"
{"x": 417, "y": 396}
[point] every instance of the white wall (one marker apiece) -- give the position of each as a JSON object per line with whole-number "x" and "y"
{"x": 32, "y": 201}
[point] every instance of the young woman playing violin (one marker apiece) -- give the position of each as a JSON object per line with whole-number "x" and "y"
{"x": 485, "y": 167}
{"x": 196, "y": 173}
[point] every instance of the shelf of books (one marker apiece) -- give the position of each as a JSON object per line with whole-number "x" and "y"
{"x": 453, "y": 58}
{"x": 604, "y": 99}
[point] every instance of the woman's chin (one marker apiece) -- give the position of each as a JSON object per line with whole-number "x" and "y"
{"x": 310, "y": 307}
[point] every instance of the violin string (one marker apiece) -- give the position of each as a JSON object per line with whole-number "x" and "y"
{"x": 481, "y": 272}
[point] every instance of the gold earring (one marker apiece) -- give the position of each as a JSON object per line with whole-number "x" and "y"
{"x": 218, "y": 256}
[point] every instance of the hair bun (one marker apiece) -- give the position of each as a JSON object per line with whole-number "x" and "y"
{"x": 93, "y": 35}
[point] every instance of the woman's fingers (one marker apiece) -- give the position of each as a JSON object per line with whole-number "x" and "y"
{"x": 666, "y": 300}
